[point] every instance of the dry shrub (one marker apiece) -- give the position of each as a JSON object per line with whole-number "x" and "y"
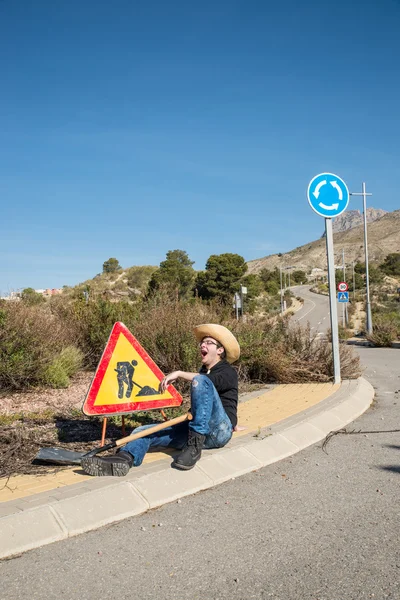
{"x": 92, "y": 322}
{"x": 31, "y": 339}
{"x": 386, "y": 329}
{"x": 38, "y": 344}
{"x": 279, "y": 352}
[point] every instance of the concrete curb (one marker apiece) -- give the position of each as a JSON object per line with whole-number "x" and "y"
{"x": 59, "y": 514}
{"x": 364, "y": 342}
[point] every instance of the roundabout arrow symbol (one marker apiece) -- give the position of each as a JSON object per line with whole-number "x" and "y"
{"x": 331, "y": 207}
{"x": 335, "y": 185}
{"x": 318, "y": 187}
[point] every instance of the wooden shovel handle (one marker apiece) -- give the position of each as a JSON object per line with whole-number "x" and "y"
{"x": 150, "y": 430}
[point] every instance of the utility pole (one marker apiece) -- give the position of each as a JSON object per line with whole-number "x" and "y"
{"x": 345, "y": 313}
{"x": 354, "y": 284}
{"x": 280, "y": 273}
{"x": 368, "y": 307}
{"x": 344, "y": 279}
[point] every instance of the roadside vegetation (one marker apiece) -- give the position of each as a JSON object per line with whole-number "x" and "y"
{"x": 384, "y": 282}
{"x": 45, "y": 343}
{"x": 48, "y": 344}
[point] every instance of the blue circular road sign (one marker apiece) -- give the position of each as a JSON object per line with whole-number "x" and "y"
{"x": 328, "y": 195}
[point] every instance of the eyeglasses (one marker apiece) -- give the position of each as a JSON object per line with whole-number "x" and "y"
{"x": 208, "y": 343}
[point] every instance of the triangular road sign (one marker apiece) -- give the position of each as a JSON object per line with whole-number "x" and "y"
{"x": 126, "y": 379}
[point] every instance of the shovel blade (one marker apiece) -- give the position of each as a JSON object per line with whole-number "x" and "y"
{"x": 58, "y": 456}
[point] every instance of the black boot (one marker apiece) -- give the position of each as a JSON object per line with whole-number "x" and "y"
{"x": 117, "y": 465}
{"x": 191, "y": 452}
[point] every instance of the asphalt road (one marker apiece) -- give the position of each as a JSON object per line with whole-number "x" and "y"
{"x": 316, "y": 526}
{"x": 315, "y": 310}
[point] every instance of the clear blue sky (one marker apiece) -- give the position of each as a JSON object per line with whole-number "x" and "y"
{"x": 131, "y": 128}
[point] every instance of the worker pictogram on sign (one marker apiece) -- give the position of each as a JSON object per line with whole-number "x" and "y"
{"x": 127, "y": 379}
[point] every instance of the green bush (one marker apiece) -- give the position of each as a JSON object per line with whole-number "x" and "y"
{"x": 272, "y": 287}
{"x": 29, "y": 296}
{"x": 63, "y": 366}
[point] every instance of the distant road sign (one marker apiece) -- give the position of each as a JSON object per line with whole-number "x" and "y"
{"x": 328, "y": 195}
{"x": 343, "y": 296}
{"x": 237, "y": 301}
{"x": 342, "y": 286}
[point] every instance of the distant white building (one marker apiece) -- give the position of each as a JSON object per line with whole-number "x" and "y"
{"x": 12, "y": 296}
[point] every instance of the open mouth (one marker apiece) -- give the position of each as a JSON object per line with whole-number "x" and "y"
{"x": 204, "y": 352}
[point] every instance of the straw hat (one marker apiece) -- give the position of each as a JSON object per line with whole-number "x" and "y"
{"x": 223, "y": 336}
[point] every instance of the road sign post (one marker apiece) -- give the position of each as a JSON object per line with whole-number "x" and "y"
{"x": 237, "y": 304}
{"x": 328, "y": 196}
{"x": 332, "y": 300}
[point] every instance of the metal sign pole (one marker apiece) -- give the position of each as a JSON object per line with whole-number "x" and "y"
{"x": 328, "y": 196}
{"x": 332, "y": 300}
{"x": 345, "y": 319}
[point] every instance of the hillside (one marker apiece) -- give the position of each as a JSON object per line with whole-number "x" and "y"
{"x": 353, "y": 218}
{"x": 383, "y": 238}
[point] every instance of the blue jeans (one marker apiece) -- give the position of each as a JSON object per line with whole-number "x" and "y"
{"x": 209, "y": 419}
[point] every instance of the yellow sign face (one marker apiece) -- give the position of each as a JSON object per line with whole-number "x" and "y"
{"x": 127, "y": 379}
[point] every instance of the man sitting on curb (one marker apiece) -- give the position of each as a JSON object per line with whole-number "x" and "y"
{"x": 214, "y": 399}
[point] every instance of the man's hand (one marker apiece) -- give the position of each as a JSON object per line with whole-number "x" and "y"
{"x": 168, "y": 379}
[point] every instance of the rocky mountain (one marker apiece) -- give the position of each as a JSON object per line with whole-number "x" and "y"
{"x": 383, "y": 239}
{"x": 353, "y": 218}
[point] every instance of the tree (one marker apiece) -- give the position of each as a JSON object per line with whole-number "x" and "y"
{"x": 29, "y": 296}
{"x": 391, "y": 264}
{"x": 375, "y": 275}
{"x": 270, "y": 279}
{"x": 359, "y": 267}
{"x": 272, "y": 287}
{"x": 222, "y": 276}
{"x": 111, "y": 266}
{"x": 176, "y": 274}
{"x": 254, "y": 285}
{"x": 299, "y": 276}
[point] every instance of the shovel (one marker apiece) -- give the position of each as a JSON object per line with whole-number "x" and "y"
{"x": 59, "y": 456}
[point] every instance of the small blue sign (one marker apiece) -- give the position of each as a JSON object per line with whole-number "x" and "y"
{"x": 328, "y": 195}
{"x": 343, "y": 296}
